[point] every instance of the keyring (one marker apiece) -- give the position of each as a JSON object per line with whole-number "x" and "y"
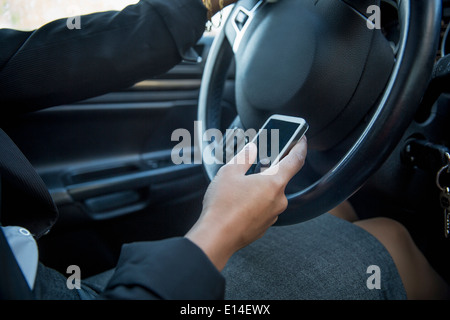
{"x": 446, "y": 167}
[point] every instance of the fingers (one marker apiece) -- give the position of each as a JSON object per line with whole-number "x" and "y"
{"x": 286, "y": 168}
{"x": 245, "y": 158}
{"x": 291, "y": 163}
{"x": 294, "y": 161}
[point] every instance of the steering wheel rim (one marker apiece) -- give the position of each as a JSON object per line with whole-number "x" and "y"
{"x": 384, "y": 130}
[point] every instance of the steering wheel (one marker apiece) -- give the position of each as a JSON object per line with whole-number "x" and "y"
{"x": 329, "y": 62}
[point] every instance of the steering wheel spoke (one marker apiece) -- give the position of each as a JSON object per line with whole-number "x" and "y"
{"x": 240, "y": 20}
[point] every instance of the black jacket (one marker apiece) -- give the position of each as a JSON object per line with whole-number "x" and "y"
{"x": 56, "y": 65}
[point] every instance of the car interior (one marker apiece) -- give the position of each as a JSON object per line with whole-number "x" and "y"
{"x": 375, "y": 99}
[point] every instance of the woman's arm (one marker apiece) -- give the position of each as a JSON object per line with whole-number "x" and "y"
{"x": 112, "y": 50}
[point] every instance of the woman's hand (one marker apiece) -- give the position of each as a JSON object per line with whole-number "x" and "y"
{"x": 239, "y": 208}
{"x": 215, "y": 6}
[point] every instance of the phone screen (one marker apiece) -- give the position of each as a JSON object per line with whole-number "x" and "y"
{"x": 275, "y": 137}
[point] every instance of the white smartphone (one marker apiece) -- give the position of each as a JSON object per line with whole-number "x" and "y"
{"x": 275, "y": 139}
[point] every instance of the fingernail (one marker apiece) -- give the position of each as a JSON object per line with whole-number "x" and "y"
{"x": 250, "y": 145}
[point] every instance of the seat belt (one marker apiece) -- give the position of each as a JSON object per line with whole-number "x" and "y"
{"x": 26, "y": 199}
{"x": 13, "y": 285}
{"x": 26, "y": 202}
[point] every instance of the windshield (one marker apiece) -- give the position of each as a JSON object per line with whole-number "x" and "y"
{"x": 31, "y": 14}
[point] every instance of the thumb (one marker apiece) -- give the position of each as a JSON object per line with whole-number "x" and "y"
{"x": 292, "y": 162}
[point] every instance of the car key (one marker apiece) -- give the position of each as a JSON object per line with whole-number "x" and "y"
{"x": 444, "y": 200}
{"x": 446, "y": 223}
{"x": 444, "y": 196}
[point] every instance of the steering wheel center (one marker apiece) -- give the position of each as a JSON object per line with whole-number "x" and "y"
{"x": 310, "y": 59}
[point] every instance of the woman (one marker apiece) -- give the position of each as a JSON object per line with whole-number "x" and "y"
{"x": 228, "y": 252}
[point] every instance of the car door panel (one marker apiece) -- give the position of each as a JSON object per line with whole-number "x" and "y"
{"x": 107, "y": 163}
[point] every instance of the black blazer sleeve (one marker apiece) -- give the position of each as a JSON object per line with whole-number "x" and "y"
{"x": 55, "y": 65}
{"x": 174, "y": 269}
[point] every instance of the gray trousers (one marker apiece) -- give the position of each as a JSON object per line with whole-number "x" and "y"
{"x": 326, "y": 258}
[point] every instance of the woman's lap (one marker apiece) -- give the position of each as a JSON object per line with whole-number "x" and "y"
{"x": 324, "y": 258}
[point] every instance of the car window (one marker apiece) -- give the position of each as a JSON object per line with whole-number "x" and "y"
{"x": 31, "y": 14}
